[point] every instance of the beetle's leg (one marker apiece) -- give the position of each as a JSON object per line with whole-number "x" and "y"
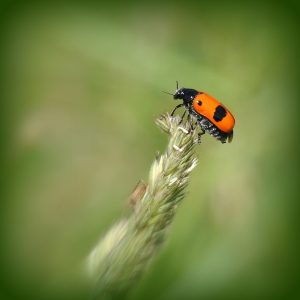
{"x": 178, "y": 106}
{"x": 182, "y": 117}
{"x": 199, "y": 136}
{"x": 230, "y": 136}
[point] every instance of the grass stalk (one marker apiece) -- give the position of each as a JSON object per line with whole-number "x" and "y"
{"x": 124, "y": 253}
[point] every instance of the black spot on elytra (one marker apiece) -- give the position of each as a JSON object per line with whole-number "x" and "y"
{"x": 220, "y": 113}
{"x": 199, "y": 103}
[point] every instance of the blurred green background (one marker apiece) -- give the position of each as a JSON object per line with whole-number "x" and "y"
{"x": 81, "y": 89}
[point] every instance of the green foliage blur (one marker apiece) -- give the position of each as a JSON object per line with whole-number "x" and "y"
{"x": 81, "y": 89}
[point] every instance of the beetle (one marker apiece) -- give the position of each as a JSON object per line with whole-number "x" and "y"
{"x": 211, "y": 115}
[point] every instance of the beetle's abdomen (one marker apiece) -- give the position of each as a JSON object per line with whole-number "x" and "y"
{"x": 212, "y": 129}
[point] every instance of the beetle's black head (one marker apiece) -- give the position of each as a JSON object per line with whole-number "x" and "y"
{"x": 187, "y": 95}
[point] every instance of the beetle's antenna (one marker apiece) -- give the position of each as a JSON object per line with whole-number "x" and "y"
{"x": 168, "y": 93}
{"x": 176, "y": 85}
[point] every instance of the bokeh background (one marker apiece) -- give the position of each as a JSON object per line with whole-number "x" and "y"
{"x": 81, "y": 89}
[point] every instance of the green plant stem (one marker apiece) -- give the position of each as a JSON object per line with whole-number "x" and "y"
{"x": 123, "y": 254}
